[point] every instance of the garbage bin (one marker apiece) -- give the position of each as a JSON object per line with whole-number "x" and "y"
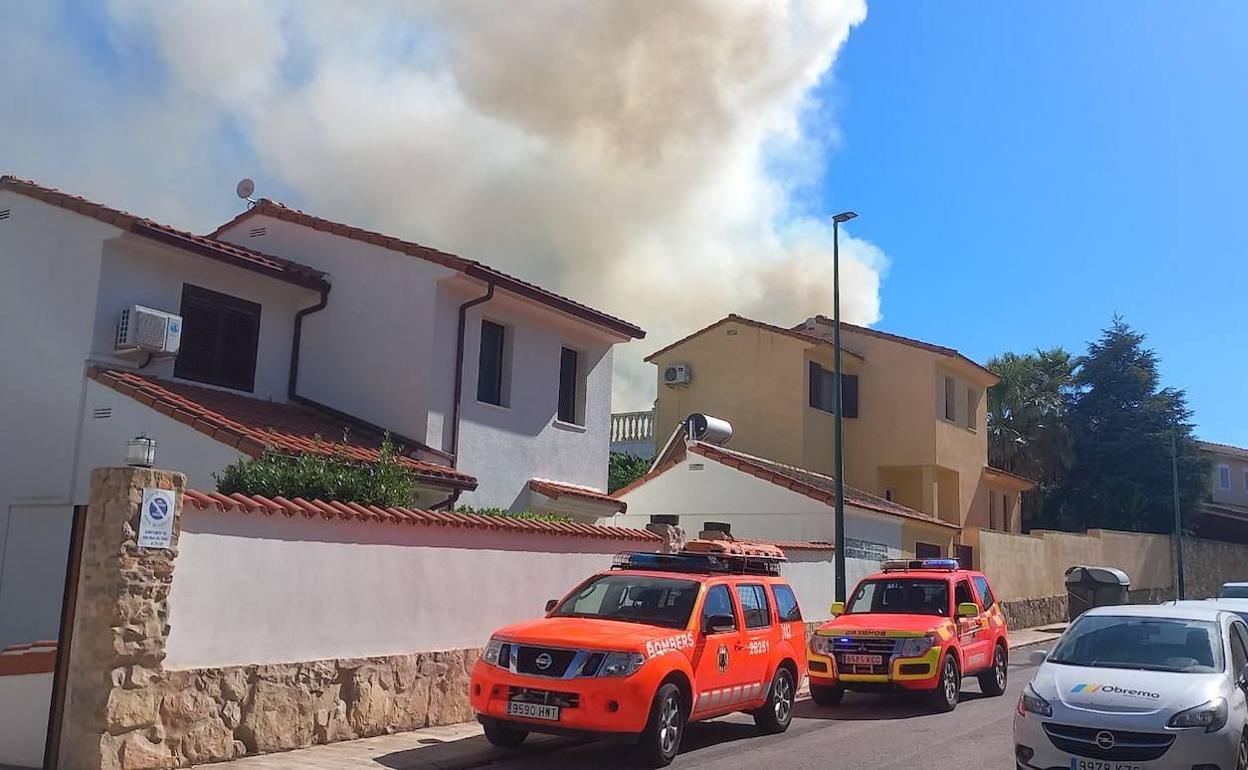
{"x": 1088, "y": 587}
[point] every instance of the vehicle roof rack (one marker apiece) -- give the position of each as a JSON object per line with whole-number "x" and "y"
{"x": 902, "y": 565}
{"x": 700, "y": 563}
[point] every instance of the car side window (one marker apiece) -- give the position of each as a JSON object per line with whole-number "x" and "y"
{"x": 786, "y": 603}
{"x": 1239, "y": 649}
{"x": 718, "y": 602}
{"x": 963, "y": 594}
{"x": 754, "y": 605}
{"x": 985, "y": 593}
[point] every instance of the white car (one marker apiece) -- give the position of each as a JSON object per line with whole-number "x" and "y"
{"x": 1233, "y": 591}
{"x": 1139, "y": 687}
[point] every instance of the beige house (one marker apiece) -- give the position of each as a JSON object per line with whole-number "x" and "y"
{"x": 1226, "y": 511}
{"x": 914, "y": 411}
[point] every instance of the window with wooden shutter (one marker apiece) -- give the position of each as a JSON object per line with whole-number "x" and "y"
{"x": 220, "y": 339}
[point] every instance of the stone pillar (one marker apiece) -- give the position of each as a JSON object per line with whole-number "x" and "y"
{"x": 113, "y": 693}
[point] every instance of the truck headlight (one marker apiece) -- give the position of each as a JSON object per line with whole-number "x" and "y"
{"x": 1211, "y": 716}
{"x": 492, "y": 649}
{"x": 621, "y": 663}
{"x": 914, "y": 648}
{"x": 821, "y": 645}
{"x": 1032, "y": 702}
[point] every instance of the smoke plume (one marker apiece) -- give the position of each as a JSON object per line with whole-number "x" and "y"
{"x": 658, "y": 160}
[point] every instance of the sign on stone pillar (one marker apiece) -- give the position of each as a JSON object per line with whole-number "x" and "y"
{"x": 115, "y": 686}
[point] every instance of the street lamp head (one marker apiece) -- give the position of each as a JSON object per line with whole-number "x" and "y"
{"x": 844, "y": 217}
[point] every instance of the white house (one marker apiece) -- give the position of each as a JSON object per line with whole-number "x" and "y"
{"x": 694, "y": 483}
{"x": 292, "y": 327}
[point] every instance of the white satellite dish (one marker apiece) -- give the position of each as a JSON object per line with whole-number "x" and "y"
{"x": 245, "y": 188}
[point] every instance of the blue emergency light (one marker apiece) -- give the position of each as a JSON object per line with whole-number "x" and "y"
{"x": 901, "y": 565}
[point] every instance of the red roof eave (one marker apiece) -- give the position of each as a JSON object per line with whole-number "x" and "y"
{"x": 555, "y": 490}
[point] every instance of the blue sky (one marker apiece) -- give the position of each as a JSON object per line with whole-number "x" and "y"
{"x": 1033, "y": 168}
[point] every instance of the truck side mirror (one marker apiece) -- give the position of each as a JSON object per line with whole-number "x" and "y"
{"x": 837, "y": 608}
{"x": 719, "y": 624}
{"x": 968, "y": 610}
{"x": 551, "y": 604}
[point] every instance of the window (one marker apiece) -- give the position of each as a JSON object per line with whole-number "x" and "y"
{"x": 992, "y": 509}
{"x": 569, "y": 387}
{"x": 823, "y": 391}
{"x": 926, "y": 551}
{"x": 1141, "y": 644}
{"x": 962, "y": 593}
{"x": 754, "y": 606}
{"x": 1006, "y": 506}
{"x": 718, "y": 602}
{"x": 654, "y": 601}
{"x": 972, "y": 407}
{"x": 950, "y": 407}
{"x": 901, "y": 596}
{"x": 985, "y": 593}
{"x": 1240, "y": 631}
{"x": 1239, "y": 653}
{"x": 491, "y": 364}
{"x": 786, "y": 604}
{"x": 1224, "y": 477}
{"x": 220, "y": 335}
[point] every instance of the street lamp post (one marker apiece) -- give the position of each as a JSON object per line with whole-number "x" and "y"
{"x": 839, "y": 473}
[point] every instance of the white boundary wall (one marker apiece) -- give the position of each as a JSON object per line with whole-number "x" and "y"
{"x": 24, "y": 701}
{"x": 252, "y": 588}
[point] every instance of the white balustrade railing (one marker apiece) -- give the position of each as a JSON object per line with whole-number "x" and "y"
{"x": 632, "y": 426}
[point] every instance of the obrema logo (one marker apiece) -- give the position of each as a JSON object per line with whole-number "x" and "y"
{"x": 1093, "y": 687}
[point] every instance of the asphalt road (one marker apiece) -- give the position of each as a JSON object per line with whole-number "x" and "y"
{"x": 865, "y": 731}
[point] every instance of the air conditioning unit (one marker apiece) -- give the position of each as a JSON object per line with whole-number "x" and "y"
{"x": 677, "y": 374}
{"x": 146, "y": 330}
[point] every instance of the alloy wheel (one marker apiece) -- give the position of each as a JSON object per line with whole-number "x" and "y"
{"x": 999, "y": 668}
{"x": 1241, "y": 762}
{"x": 784, "y": 699}
{"x": 951, "y": 682}
{"x": 669, "y": 725}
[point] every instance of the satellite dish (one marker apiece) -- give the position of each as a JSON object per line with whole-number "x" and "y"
{"x": 245, "y": 188}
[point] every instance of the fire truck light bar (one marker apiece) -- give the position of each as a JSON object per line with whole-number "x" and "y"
{"x": 899, "y": 565}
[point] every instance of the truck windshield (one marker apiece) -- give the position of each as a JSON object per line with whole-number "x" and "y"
{"x": 654, "y": 601}
{"x": 901, "y": 596}
{"x": 1145, "y": 644}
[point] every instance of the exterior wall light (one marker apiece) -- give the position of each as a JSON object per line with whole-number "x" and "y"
{"x": 141, "y": 451}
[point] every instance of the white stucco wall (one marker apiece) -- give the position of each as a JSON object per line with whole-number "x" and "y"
{"x": 700, "y": 490}
{"x": 24, "y": 701}
{"x": 813, "y": 577}
{"x": 259, "y": 589}
{"x": 384, "y": 350}
{"x": 34, "y": 546}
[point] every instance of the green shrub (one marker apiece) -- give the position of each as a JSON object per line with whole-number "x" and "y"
{"x": 324, "y": 475}
{"x": 625, "y": 469}
{"x": 516, "y": 514}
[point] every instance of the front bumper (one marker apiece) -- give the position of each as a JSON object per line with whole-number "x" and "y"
{"x": 1190, "y": 748}
{"x": 921, "y": 673}
{"x": 603, "y": 705}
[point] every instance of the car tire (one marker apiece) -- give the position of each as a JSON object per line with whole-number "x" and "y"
{"x": 504, "y": 737}
{"x": 1241, "y": 758}
{"x": 948, "y": 685}
{"x": 776, "y": 714}
{"x": 826, "y": 695}
{"x": 660, "y": 741}
{"x": 993, "y": 681}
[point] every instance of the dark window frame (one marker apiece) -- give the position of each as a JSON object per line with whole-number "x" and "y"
{"x": 491, "y": 386}
{"x": 221, "y": 343}
{"x": 986, "y": 598}
{"x": 963, "y": 583}
{"x": 824, "y": 402}
{"x": 568, "y": 406}
{"x": 919, "y": 546}
{"x": 951, "y": 399}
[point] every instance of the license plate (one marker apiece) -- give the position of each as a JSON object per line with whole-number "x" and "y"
{"x": 1079, "y": 763}
{"x": 854, "y": 659}
{"x": 533, "y": 711}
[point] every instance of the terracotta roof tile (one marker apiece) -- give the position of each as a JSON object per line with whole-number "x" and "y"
{"x": 409, "y": 516}
{"x": 468, "y": 267}
{"x": 239, "y": 256}
{"x": 557, "y": 489}
{"x": 250, "y": 424}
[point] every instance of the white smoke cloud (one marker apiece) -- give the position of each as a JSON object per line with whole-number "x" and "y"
{"x": 651, "y": 159}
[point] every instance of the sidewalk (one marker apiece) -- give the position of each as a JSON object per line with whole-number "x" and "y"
{"x": 459, "y": 746}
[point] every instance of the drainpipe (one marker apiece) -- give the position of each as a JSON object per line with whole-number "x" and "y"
{"x": 294, "y": 344}
{"x": 459, "y": 369}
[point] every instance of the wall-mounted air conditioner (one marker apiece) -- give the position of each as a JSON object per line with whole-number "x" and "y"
{"x": 142, "y": 329}
{"x": 677, "y": 374}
